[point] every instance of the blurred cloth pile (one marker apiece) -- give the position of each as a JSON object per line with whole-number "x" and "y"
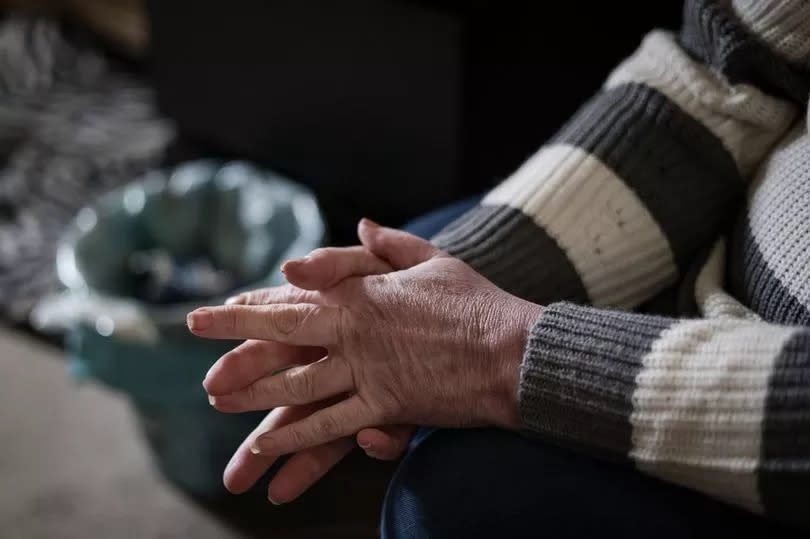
{"x": 73, "y": 125}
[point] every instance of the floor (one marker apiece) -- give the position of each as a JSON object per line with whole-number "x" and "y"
{"x": 72, "y": 463}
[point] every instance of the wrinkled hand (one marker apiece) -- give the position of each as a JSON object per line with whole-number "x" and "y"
{"x": 433, "y": 343}
{"x": 256, "y": 359}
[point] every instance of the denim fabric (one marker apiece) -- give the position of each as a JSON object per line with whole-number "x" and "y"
{"x": 491, "y": 483}
{"x": 431, "y": 223}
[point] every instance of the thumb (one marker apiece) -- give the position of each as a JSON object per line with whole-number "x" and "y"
{"x": 327, "y": 266}
{"x": 385, "y": 443}
{"x": 399, "y": 248}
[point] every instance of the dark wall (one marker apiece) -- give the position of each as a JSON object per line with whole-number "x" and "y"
{"x": 386, "y": 107}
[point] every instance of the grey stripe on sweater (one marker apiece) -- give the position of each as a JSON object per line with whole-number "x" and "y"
{"x": 663, "y": 154}
{"x": 508, "y": 247}
{"x": 756, "y": 285}
{"x": 715, "y": 37}
{"x": 784, "y": 474}
{"x": 579, "y": 372}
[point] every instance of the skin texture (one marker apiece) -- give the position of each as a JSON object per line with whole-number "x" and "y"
{"x": 430, "y": 343}
{"x": 322, "y": 269}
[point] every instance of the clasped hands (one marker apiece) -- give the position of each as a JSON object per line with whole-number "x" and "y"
{"x": 362, "y": 343}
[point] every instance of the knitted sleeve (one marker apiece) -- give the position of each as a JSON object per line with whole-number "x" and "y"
{"x": 615, "y": 207}
{"x": 717, "y": 405}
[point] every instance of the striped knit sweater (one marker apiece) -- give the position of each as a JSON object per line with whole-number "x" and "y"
{"x": 644, "y": 188}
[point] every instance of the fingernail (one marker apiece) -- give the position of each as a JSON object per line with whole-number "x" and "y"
{"x": 235, "y": 300}
{"x": 262, "y": 446}
{"x": 274, "y": 502}
{"x": 199, "y": 320}
{"x": 212, "y": 400}
{"x": 294, "y": 261}
{"x": 364, "y": 445}
{"x": 368, "y": 222}
{"x": 371, "y": 454}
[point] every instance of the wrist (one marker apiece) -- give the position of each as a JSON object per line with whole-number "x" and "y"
{"x": 519, "y": 317}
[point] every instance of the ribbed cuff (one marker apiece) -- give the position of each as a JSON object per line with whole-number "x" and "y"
{"x": 579, "y": 374}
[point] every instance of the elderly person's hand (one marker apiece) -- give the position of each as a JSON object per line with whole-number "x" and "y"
{"x": 433, "y": 343}
{"x": 255, "y": 359}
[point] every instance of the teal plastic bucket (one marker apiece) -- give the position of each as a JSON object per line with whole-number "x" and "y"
{"x": 243, "y": 219}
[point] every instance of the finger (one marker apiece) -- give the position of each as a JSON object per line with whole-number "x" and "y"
{"x": 342, "y": 419}
{"x": 399, "y": 248}
{"x": 302, "y": 324}
{"x": 297, "y": 385}
{"x": 245, "y": 468}
{"x": 276, "y": 294}
{"x": 252, "y": 360}
{"x": 386, "y": 443}
{"x": 326, "y": 267}
{"x": 305, "y": 468}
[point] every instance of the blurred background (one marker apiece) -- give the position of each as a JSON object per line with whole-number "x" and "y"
{"x": 160, "y": 155}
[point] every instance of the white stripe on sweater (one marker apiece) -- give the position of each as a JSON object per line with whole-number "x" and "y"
{"x": 778, "y": 216}
{"x": 614, "y": 243}
{"x": 783, "y": 24}
{"x": 712, "y": 300}
{"x": 746, "y": 120}
{"x": 699, "y": 405}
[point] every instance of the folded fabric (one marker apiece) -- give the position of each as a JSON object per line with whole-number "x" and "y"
{"x": 73, "y": 124}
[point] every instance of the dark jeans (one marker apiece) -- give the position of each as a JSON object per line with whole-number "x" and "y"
{"x": 492, "y": 483}
{"x": 429, "y": 224}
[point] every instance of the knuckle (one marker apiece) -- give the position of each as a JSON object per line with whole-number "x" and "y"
{"x": 379, "y": 281}
{"x": 297, "y": 384}
{"x": 268, "y": 296}
{"x": 231, "y": 319}
{"x": 298, "y": 295}
{"x": 258, "y": 297}
{"x": 320, "y": 252}
{"x": 343, "y": 324}
{"x": 251, "y": 394}
{"x": 326, "y": 427}
{"x": 329, "y": 269}
{"x": 298, "y": 438}
{"x": 390, "y": 409}
{"x": 284, "y": 320}
{"x": 251, "y": 297}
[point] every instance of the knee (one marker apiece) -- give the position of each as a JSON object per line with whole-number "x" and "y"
{"x": 485, "y": 483}
{"x": 404, "y": 513}
{"x": 436, "y": 491}
{"x": 408, "y": 507}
